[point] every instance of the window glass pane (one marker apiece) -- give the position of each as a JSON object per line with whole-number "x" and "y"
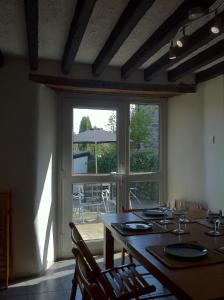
{"x": 143, "y": 194}
{"x": 144, "y": 137}
{"x": 90, "y": 200}
{"x": 94, "y": 142}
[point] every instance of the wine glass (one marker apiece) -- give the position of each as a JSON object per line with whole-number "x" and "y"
{"x": 164, "y": 221}
{"x": 179, "y": 230}
{"x": 214, "y": 217}
{"x": 183, "y": 217}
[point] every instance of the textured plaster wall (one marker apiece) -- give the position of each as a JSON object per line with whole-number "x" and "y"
{"x": 185, "y": 148}
{"x": 196, "y": 145}
{"x": 213, "y": 95}
{"x": 27, "y": 131}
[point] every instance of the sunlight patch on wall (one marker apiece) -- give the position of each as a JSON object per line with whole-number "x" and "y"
{"x": 43, "y": 221}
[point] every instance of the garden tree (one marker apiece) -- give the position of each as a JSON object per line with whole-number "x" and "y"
{"x": 85, "y": 124}
{"x": 112, "y": 122}
{"x": 139, "y": 126}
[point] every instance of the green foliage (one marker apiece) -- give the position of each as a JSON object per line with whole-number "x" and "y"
{"x": 85, "y": 124}
{"x": 139, "y": 126}
{"x": 112, "y": 122}
{"x": 106, "y": 159}
{"x": 140, "y": 161}
{"x": 144, "y": 161}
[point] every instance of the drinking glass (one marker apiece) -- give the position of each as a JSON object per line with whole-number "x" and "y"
{"x": 164, "y": 221}
{"x": 214, "y": 217}
{"x": 179, "y": 230}
{"x": 184, "y": 219}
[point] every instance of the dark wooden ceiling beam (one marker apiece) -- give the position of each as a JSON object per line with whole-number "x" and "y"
{"x": 133, "y": 12}
{"x": 198, "y": 39}
{"x": 111, "y": 87}
{"x": 78, "y": 26}
{"x": 210, "y": 73}
{"x": 32, "y": 19}
{"x": 157, "y": 40}
{"x": 200, "y": 60}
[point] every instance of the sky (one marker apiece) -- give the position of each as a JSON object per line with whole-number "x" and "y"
{"x": 98, "y": 117}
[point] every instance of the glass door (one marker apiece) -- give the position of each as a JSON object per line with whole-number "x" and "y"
{"x": 112, "y": 156}
{"x": 146, "y": 150}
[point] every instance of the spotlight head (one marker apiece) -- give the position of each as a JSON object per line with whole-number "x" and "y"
{"x": 172, "y": 54}
{"x": 216, "y": 27}
{"x": 183, "y": 40}
{"x": 180, "y": 43}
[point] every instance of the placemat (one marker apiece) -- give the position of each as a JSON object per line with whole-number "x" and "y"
{"x": 205, "y": 222}
{"x": 141, "y": 215}
{"x": 155, "y": 229}
{"x": 213, "y": 257}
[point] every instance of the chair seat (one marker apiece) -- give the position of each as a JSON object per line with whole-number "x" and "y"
{"x": 127, "y": 282}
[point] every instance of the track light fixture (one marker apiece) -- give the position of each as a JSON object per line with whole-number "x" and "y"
{"x": 183, "y": 40}
{"x": 216, "y": 27}
{"x": 172, "y": 54}
{"x": 194, "y": 15}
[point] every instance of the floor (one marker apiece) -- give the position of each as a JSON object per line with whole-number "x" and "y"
{"x": 56, "y": 284}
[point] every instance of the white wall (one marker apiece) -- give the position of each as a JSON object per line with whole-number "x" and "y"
{"x": 213, "y": 95}
{"x": 185, "y": 148}
{"x": 27, "y": 131}
{"x": 195, "y": 164}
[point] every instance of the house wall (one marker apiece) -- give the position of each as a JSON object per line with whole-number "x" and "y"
{"x": 27, "y": 160}
{"x": 195, "y": 163}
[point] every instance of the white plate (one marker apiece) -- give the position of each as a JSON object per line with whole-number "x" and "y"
{"x": 136, "y": 226}
{"x": 153, "y": 213}
{"x": 186, "y": 250}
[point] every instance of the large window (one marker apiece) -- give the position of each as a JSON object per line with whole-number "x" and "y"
{"x": 113, "y": 156}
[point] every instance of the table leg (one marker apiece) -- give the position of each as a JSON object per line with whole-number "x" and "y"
{"x": 108, "y": 248}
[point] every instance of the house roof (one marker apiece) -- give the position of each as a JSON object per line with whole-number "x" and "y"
{"x": 94, "y": 136}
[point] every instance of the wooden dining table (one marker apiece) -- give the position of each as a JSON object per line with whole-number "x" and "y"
{"x": 200, "y": 280}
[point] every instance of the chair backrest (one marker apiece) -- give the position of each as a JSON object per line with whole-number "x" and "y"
{"x": 123, "y": 209}
{"x": 93, "y": 271}
{"x": 185, "y": 204}
{"x": 86, "y": 279}
{"x": 75, "y": 235}
{"x": 76, "y": 238}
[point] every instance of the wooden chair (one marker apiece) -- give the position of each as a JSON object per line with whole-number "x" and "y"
{"x": 123, "y": 282}
{"x": 5, "y": 238}
{"x": 184, "y": 204}
{"x": 195, "y": 209}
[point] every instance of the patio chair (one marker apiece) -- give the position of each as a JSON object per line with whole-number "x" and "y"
{"x": 123, "y": 282}
{"x": 89, "y": 200}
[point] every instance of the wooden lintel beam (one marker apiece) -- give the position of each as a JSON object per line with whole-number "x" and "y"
{"x": 109, "y": 87}
{"x": 32, "y": 19}
{"x": 210, "y": 73}
{"x": 200, "y": 60}
{"x": 199, "y": 38}
{"x": 78, "y": 26}
{"x": 127, "y": 21}
{"x": 157, "y": 40}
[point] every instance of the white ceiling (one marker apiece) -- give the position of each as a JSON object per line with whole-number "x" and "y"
{"x": 54, "y": 22}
